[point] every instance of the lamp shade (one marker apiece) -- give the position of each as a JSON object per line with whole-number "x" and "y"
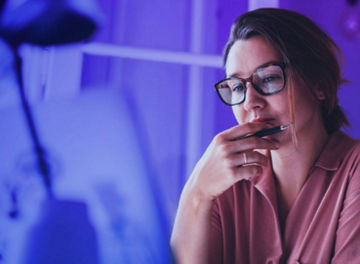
{"x": 49, "y": 22}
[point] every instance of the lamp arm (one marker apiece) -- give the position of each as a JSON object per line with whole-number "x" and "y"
{"x": 43, "y": 166}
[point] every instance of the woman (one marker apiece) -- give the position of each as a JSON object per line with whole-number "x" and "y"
{"x": 288, "y": 197}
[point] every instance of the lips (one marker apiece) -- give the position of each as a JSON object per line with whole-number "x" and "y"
{"x": 268, "y": 121}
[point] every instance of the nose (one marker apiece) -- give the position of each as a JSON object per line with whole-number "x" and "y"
{"x": 253, "y": 99}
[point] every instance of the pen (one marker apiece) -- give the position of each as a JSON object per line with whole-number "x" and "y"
{"x": 267, "y": 132}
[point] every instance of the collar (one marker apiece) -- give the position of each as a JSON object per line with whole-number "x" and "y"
{"x": 266, "y": 184}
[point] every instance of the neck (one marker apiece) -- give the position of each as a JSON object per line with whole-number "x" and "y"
{"x": 291, "y": 164}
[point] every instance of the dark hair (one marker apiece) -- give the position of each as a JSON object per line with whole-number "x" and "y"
{"x": 310, "y": 54}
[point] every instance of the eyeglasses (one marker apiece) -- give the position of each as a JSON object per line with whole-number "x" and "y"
{"x": 267, "y": 80}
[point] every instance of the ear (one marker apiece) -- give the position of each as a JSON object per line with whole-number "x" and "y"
{"x": 320, "y": 95}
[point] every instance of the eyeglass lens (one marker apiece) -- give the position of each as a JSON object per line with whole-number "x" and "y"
{"x": 266, "y": 81}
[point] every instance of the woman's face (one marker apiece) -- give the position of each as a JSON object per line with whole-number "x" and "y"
{"x": 245, "y": 56}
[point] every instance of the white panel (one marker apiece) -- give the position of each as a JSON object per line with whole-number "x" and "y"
{"x": 195, "y": 89}
{"x": 53, "y": 72}
{"x": 35, "y": 67}
{"x": 102, "y": 49}
{"x": 64, "y": 73}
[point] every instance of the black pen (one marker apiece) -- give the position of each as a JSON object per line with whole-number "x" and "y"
{"x": 267, "y": 132}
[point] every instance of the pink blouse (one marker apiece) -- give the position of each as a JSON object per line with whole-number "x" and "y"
{"x": 323, "y": 225}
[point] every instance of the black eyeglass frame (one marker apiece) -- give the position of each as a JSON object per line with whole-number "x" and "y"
{"x": 282, "y": 65}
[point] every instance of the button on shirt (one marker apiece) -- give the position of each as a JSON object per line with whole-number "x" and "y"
{"x": 323, "y": 225}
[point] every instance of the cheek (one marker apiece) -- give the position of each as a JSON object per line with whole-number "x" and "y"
{"x": 239, "y": 114}
{"x": 304, "y": 101}
{"x": 280, "y": 104}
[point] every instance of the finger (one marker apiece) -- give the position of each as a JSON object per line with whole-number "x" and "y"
{"x": 250, "y": 144}
{"x": 246, "y": 172}
{"x": 248, "y": 158}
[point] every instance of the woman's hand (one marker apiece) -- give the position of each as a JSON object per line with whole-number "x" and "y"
{"x": 229, "y": 159}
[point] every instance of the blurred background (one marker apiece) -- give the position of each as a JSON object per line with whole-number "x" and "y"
{"x": 124, "y": 116}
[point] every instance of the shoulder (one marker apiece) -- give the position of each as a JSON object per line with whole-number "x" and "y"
{"x": 355, "y": 151}
{"x": 354, "y": 159}
{"x": 339, "y": 150}
{"x": 345, "y": 143}
{"x": 352, "y": 149}
{"x": 352, "y": 156}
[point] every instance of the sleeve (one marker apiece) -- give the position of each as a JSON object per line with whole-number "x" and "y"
{"x": 347, "y": 244}
{"x": 215, "y": 243}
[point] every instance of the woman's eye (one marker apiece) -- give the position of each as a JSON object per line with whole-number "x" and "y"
{"x": 271, "y": 78}
{"x": 238, "y": 88}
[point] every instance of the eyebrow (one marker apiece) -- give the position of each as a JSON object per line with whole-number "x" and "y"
{"x": 259, "y": 67}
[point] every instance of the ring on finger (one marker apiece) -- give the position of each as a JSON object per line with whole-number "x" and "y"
{"x": 245, "y": 158}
